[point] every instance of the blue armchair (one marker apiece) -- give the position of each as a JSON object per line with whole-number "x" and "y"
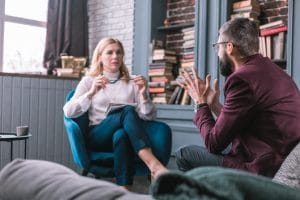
{"x": 101, "y": 163}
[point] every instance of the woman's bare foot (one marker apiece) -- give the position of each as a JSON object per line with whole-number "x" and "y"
{"x": 126, "y": 187}
{"x": 157, "y": 171}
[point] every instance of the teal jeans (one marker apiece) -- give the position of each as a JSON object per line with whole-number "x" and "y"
{"x": 123, "y": 133}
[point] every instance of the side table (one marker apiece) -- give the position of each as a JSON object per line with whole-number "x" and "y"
{"x": 11, "y": 137}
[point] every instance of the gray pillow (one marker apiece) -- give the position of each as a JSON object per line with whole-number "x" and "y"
{"x": 289, "y": 172}
{"x": 33, "y": 179}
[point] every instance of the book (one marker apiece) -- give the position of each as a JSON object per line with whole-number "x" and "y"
{"x": 152, "y": 84}
{"x": 269, "y": 47}
{"x": 247, "y": 9}
{"x": 159, "y": 72}
{"x": 273, "y": 31}
{"x": 157, "y": 89}
{"x": 160, "y": 64}
{"x": 116, "y": 106}
{"x": 185, "y": 98}
{"x": 244, "y": 3}
{"x": 174, "y": 95}
{"x": 273, "y": 24}
{"x": 262, "y": 46}
{"x": 163, "y": 52}
{"x": 164, "y": 78}
{"x": 278, "y": 43}
{"x": 249, "y": 14}
{"x": 179, "y": 96}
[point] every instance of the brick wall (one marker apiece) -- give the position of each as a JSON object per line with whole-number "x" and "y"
{"x": 111, "y": 18}
{"x": 272, "y": 10}
{"x": 178, "y": 12}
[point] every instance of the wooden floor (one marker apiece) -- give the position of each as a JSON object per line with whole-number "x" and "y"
{"x": 142, "y": 184}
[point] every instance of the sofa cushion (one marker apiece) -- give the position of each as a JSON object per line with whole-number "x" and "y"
{"x": 33, "y": 179}
{"x": 289, "y": 172}
{"x": 220, "y": 183}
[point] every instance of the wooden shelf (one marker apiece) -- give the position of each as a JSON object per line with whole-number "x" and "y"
{"x": 175, "y": 27}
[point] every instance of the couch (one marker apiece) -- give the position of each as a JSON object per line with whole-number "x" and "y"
{"x": 39, "y": 180}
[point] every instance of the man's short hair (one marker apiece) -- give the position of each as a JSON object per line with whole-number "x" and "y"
{"x": 243, "y": 33}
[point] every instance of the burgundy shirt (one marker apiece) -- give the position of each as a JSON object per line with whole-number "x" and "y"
{"x": 260, "y": 117}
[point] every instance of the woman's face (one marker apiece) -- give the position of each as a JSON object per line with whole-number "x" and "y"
{"x": 111, "y": 58}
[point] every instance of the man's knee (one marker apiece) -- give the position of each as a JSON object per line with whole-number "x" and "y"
{"x": 181, "y": 158}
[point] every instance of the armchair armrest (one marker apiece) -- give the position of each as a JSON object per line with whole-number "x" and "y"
{"x": 77, "y": 143}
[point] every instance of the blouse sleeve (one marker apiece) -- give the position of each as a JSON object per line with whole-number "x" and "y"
{"x": 145, "y": 108}
{"x": 79, "y": 103}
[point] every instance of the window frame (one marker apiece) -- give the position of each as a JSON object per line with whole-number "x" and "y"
{"x": 17, "y": 20}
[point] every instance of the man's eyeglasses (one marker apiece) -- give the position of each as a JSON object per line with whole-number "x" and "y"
{"x": 216, "y": 45}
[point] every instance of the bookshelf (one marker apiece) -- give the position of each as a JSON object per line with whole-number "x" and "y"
{"x": 209, "y": 16}
{"x": 173, "y": 53}
{"x": 272, "y": 18}
{"x": 175, "y": 27}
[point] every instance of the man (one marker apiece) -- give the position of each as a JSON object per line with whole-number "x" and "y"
{"x": 261, "y": 113}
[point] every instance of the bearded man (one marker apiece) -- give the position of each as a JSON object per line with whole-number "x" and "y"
{"x": 260, "y": 118}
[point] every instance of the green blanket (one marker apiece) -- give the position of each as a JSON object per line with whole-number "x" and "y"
{"x": 219, "y": 183}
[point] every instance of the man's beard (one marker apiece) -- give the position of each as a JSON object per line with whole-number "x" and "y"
{"x": 225, "y": 66}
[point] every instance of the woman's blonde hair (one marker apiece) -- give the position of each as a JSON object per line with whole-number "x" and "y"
{"x": 97, "y": 66}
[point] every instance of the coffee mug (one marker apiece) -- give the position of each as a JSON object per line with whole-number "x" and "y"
{"x": 22, "y": 130}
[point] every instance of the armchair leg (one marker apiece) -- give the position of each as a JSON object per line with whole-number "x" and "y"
{"x": 84, "y": 172}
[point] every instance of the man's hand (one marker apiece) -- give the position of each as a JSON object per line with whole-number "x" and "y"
{"x": 196, "y": 87}
{"x": 200, "y": 90}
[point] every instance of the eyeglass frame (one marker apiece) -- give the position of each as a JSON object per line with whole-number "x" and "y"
{"x": 216, "y": 45}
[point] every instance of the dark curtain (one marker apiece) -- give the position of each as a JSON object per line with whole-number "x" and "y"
{"x": 67, "y": 31}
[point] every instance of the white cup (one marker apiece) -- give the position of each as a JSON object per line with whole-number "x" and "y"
{"x": 22, "y": 130}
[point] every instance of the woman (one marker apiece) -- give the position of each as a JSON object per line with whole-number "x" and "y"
{"x": 121, "y": 130}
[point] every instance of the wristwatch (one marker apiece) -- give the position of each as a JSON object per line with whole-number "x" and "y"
{"x": 198, "y": 106}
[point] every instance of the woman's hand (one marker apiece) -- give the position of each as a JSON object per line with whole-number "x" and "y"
{"x": 98, "y": 83}
{"x": 141, "y": 82}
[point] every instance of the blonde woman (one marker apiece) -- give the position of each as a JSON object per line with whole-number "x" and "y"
{"x": 122, "y": 130}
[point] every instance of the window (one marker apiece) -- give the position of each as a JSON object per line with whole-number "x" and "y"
{"x": 23, "y": 32}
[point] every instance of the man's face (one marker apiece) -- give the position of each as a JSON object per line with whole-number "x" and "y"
{"x": 225, "y": 64}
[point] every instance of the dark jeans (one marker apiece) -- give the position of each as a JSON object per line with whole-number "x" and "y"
{"x": 192, "y": 156}
{"x": 123, "y": 133}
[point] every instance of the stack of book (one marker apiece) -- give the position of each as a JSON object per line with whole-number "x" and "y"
{"x": 187, "y": 55}
{"x": 161, "y": 74}
{"x": 247, "y": 9}
{"x": 272, "y": 40}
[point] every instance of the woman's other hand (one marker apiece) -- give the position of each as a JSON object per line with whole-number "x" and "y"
{"x": 141, "y": 82}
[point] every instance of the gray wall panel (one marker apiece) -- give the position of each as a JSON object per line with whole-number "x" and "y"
{"x": 42, "y": 113}
{"x": 16, "y": 107}
{"x": 34, "y": 118}
{"x": 38, "y": 103}
{"x": 51, "y": 102}
{"x": 59, "y": 127}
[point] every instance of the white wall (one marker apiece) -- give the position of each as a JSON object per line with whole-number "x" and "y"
{"x": 111, "y": 18}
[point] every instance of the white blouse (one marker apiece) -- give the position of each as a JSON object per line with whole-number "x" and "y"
{"x": 118, "y": 92}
